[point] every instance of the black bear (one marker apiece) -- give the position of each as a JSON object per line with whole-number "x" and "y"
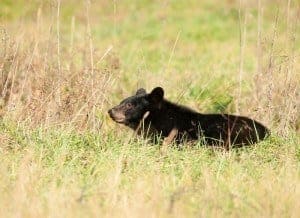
{"x": 152, "y": 115}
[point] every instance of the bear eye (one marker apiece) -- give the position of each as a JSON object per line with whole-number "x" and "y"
{"x": 129, "y": 105}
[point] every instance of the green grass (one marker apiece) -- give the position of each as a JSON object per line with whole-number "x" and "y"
{"x": 61, "y": 155}
{"x": 96, "y": 171}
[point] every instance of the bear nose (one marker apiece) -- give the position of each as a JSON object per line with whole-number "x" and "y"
{"x": 110, "y": 111}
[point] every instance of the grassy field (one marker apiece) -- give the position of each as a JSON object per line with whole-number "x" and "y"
{"x": 64, "y": 63}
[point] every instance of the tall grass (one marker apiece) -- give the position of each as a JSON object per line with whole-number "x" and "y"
{"x": 64, "y": 63}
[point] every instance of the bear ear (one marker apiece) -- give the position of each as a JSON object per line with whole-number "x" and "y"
{"x": 157, "y": 95}
{"x": 140, "y": 91}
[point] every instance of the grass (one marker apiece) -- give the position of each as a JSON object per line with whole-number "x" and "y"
{"x": 63, "y": 64}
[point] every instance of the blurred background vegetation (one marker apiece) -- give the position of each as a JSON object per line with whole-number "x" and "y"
{"x": 215, "y": 56}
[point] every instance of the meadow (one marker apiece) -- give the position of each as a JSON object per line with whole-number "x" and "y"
{"x": 64, "y": 63}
